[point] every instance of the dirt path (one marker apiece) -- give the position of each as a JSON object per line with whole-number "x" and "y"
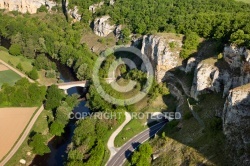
{"x": 17, "y": 71}
{"x": 111, "y": 140}
{"x": 23, "y": 137}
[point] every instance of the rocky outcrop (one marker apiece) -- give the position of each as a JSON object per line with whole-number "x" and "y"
{"x": 112, "y": 2}
{"x": 234, "y": 56}
{"x": 93, "y": 7}
{"x": 237, "y": 72}
{"x": 25, "y": 6}
{"x": 236, "y": 122}
{"x": 74, "y": 13}
{"x": 206, "y": 78}
{"x": 161, "y": 56}
{"x": 191, "y": 63}
{"x": 118, "y": 31}
{"x": 102, "y": 26}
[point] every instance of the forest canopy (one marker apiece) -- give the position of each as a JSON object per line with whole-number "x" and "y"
{"x": 217, "y": 19}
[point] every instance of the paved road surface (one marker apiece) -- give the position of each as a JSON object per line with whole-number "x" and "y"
{"x": 127, "y": 149}
{"x": 23, "y": 137}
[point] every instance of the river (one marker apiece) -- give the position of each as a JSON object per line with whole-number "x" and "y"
{"x": 58, "y": 145}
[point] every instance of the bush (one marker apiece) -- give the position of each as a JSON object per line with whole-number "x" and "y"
{"x": 42, "y": 62}
{"x": 15, "y": 49}
{"x": 43, "y": 8}
{"x": 172, "y": 45}
{"x": 50, "y": 74}
{"x": 38, "y": 144}
{"x": 19, "y": 66}
{"x": 10, "y": 63}
{"x": 33, "y": 74}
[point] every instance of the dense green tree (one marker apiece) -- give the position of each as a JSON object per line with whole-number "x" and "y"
{"x": 38, "y": 143}
{"x": 54, "y": 97}
{"x": 23, "y": 93}
{"x": 239, "y": 37}
{"x": 15, "y": 49}
{"x": 75, "y": 155}
{"x": 42, "y": 62}
{"x": 97, "y": 154}
{"x": 57, "y": 128}
{"x": 33, "y": 74}
{"x": 142, "y": 157}
{"x": 82, "y": 72}
{"x": 191, "y": 43}
{"x": 72, "y": 100}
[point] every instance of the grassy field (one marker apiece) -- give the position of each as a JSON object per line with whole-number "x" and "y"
{"x": 27, "y": 66}
{"x": 8, "y": 76}
{"x": 135, "y": 126}
{"x": 15, "y": 60}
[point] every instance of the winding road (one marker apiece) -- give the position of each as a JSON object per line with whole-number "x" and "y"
{"x": 23, "y": 137}
{"x": 127, "y": 149}
{"x": 111, "y": 140}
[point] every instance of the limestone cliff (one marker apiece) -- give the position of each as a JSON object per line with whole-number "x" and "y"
{"x": 25, "y": 6}
{"x": 205, "y": 79}
{"x": 162, "y": 57}
{"x": 210, "y": 76}
{"x": 236, "y": 122}
{"x": 235, "y": 56}
{"x": 102, "y": 26}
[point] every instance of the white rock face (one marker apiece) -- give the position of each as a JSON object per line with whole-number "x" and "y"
{"x": 25, "y": 6}
{"x": 112, "y": 2}
{"x": 74, "y": 14}
{"x": 102, "y": 27}
{"x": 236, "y": 122}
{"x": 118, "y": 31}
{"x": 236, "y": 75}
{"x": 205, "y": 78}
{"x": 233, "y": 55}
{"x": 93, "y": 7}
{"x": 191, "y": 63}
{"x": 22, "y": 161}
{"x": 162, "y": 58}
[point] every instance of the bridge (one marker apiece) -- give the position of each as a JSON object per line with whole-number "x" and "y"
{"x": 67, "y": 85}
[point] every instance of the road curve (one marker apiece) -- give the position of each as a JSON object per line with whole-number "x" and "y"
{"x": 23, "y": 137}
{"x": 111, "y": 140}
{"x": 127, "y": 149}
